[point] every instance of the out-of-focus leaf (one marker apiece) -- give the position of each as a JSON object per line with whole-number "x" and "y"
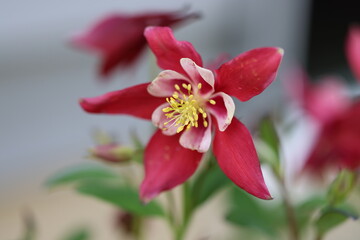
{"x": 247, "y": 212}
{"x": 79, "y": 234}
{"x": 209, "y": 181}
{"x": 341, "y": 187}
{"x": 268, "y": 147}
{"x": 81, "y": 172}
{"x": 123, "y": 197}
{"x": 269, "y": 135}
{"x": 332, "y": 217}
{"x": 305, "y": 210}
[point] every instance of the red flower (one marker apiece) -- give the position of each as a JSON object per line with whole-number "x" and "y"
{"x": 338, "y": 143}
{"x": 188, "y": 102}
{"x": 352, "y": 48}
{"x": 323, "y": 101}
{"x": 119, "y": 38}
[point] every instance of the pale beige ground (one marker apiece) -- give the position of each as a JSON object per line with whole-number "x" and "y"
{"x": 58, "y": 212}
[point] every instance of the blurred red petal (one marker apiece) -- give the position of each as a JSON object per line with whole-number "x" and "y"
{"x": 248, "y": 74}
{"x": 119, "y": 38}
{"x": 235, "y": 152}
{"x": 167, "y": 164}
{"x": 135, "y": 101}
{"x": 353, "y": 50}
{"x": 168, "y": 50}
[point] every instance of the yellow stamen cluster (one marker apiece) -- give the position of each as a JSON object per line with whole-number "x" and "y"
{"x": 184, "y": 108}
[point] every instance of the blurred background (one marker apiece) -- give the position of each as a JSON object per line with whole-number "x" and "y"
{"x": 42, "y": 77}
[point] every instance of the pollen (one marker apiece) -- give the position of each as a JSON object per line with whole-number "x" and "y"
{"x": 184, "y": 108}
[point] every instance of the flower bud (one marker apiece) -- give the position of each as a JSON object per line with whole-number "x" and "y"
{"x": 112, "y": 152}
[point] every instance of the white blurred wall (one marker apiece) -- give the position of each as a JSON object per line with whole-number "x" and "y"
{"x": 42, "y": 128}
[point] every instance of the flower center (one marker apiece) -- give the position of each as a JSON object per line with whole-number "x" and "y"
{"x": 184, "y": 108}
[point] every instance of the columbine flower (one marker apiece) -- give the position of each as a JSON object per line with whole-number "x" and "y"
{"x": 338, "y": 143}
{"x": 337, "y": 118}
{"x": 188, "y": 103}
{"x": 352, "y": 48}
{"x": 322, "y": 101}
{"x": 119, "y": 37}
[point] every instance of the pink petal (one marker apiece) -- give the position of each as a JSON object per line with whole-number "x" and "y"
{"x": 236, "y": 155}
{"x": 327, "y": 100}
{"x": 168, "y": 50}
{"x": 167, "y": 165}
{"x": 159, "y": 119}
{"x": 163, "y": 84}
{"x": 199, "y": 138}
{"x": 223, "y": 109}
{"x": 117, "y": 37}
{"x": 135, "y": 101}
{"x": 199, "y": 75}
{"x": 250, "y": 73}
{"x": 353, "y": 50}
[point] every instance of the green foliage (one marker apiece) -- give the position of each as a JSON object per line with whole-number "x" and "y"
{"x": 80, "y": 173}
{"x": 332, "y": 217}
{"x": 248, "y": 212}
{"x": 269, "y": 145}
{"x": 341, "y": 187}
{"x": 79, "y": 234}
{"x": 207, "y": 183}
{"x": 121, "y": 196}
{"x": 101, "y": 182}
{"x": 306, "y": 210}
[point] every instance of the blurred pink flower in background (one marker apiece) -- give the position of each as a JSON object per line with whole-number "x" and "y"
{"x": 337, "y": 115}
{"x": 323, "y": 101}
{"x": 119, "y": 38}
{"x": 338, "y": 144}
{"x": 352, "y": 49}
{"x": 186, "y": 102}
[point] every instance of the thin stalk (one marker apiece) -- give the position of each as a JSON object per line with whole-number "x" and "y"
{"x": 171, "y": 213}
{"x": 289, "y": 209}
{"x": 187, "y": 212}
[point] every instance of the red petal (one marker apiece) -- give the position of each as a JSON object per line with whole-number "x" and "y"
{"x": 167, "y": 164}
{"x": 353, "y": 50}
{"x": 135, "y": 101}
{"x": 250, "y": 73}
{"x": 237, "y": 157}
{"x": 168, "y": 50}
{"x": 120, "y": 37}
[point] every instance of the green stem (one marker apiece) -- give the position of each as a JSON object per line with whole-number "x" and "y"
{"x": 187, "y": 212}
{"x": 171, "y": 213}
{"x": 294, "y": 231}
{"x": 137, "y": 227}
{"x": 289, "y": 209}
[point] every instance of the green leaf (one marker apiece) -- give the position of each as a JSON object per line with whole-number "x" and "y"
{"x": 268, "y": 148}
{"x": 123, "y": 197}
{"x": 341, "y": 187}
{"x": 332, "y": 217}
{"x": 79, "y": 234}
{"x": 269, "y": 135}
{"x": 305, "y": 210}
{"x": 247, "y": 212}
{"x": 80, "y": 172}
{"x": 209, "y": 181}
